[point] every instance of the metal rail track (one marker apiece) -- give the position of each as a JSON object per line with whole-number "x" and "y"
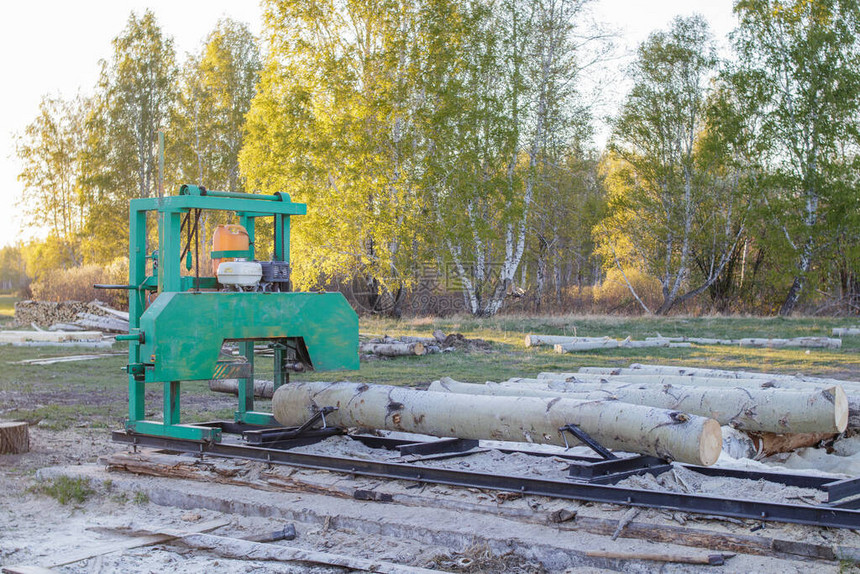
{"x": 834, "y": 514}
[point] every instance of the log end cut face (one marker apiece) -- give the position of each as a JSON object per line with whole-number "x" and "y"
{"x": 840, "y": 402}
{"x": 710, "y": 443}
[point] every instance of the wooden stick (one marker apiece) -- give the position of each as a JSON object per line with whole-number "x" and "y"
{"x": 247, "y": 550}
{"x": 712, "y": 559}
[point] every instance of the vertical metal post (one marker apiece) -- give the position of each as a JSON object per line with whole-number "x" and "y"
{"x": 281, "y": 375}
{"x": 170, "y": 247}
{"x": 248, "y": 223}
{"x": 286, "y": 232}
{"x": 160, "y": 164}
{"x": 171, "y": 403}
{"x": 136, "y": 306}
{"x": 278, "y": 254}
{"x": 246, "y": 386}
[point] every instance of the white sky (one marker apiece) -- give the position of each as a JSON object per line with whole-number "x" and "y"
{"x": 54, "y": 46}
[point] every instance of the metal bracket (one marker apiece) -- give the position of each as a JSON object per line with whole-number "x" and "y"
{"x": 318, "y": 415}
{"x": 587, "y": 440}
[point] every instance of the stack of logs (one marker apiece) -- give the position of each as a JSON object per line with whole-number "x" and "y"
{"x": 564, "y": 344}
{"x": 688, "y": 415}
{"x": 70, "y": 316}
{"x": 761, "y": 414}
{"x": 409, "y": 345}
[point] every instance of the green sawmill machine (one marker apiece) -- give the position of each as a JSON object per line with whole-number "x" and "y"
{"x": 181, "y": 334}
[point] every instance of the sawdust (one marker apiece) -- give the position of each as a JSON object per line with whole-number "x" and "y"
{"x": 683, "y": 480}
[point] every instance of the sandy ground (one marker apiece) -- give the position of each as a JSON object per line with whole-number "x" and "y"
{"x": 430, "y": 528}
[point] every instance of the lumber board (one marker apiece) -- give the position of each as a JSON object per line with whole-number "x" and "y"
{"x": 248, "y": 550}
{"x": 65, "y": 558}
{"x": 48, "y": 336}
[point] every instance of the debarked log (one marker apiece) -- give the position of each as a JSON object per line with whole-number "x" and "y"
{"x": 621, "y": 426}
{"x": 551, "y": 340}
{"x": 262, "y": 389}
{"x": 762, "y": 410}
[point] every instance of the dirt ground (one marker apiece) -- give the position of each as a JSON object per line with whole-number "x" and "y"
{"x": 442, "y": 528}
{"x": 73, "y": 408}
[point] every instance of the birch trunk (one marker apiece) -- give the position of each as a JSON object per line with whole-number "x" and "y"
{"x": 538, "y": 340}
{"x": 851, "y": 389}
{"x": 842, "y": 331}
{"x": 586, "y": 346}
{"x": 763, "y": 410}
{"x": 806, "y": 342}
{"x": 392, "y": 349}
{"x": 262, "y": 389}
{"x": 621, "y": 426}
{"x": 639, "y": 369}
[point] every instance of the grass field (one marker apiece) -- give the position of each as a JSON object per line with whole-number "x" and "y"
{"x": 93, "y": 393}
{"x": 7, "y": 305}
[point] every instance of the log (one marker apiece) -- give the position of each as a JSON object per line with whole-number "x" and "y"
{"x": 262, "y": 389}
{"x": 392, "y": 349}
{"x": 411, "y": 339}
{"x": 769, "y": 444}
{"x": 645, "y": 344}
{"x": 806, "y": 342}
{"x": 851, "y": 389}
{"x": 640, "y": 369}
{"x": 843, "y": 331}
{"x": 14, "y": 438}
{"x": 621, "y": 426}
{"x": 552, "y": 340}
{"x": 767, "y": 410}
{"x": 586, "y": 346}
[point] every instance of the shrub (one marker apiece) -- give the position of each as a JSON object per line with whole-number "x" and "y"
{"x": 76, "y": 283}
{"x": 614, "y": 294}
{"x": 66, "y": 489}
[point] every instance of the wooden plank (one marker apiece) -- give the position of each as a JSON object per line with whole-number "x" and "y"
{"x": 22, "y": 569}
{"x": 66, "y": 359}
{"x": 154, "y": 463}
{"x": 48, "y": 336}
{"x": 65, "y": 558}
{"x": 248, "y": 550}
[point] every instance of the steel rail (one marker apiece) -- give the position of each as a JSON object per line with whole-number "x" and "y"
{"x": 737, "y": 508}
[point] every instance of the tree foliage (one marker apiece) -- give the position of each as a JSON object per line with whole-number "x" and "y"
{"x": 670, "y": 196}
{"x": 799, "y": 62}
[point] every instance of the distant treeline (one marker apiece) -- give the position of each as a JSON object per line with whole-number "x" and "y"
{"x": 445, "y": 149}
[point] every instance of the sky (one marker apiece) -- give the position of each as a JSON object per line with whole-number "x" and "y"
{"x": 53, "y": 47}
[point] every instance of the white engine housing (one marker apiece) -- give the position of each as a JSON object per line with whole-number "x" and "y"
{"x": 240, "y": 273}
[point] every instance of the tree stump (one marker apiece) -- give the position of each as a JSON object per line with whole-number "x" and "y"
{"x": 14, "y": 438}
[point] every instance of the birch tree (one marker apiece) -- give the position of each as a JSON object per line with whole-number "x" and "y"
{"x": 521, "y": 67}
{"x": 208, "y": 127}
{"x": 332, "y": 123}
{"x": 799, "y": 61}
{"x": 50, "y": 151}
{"x": 663, "y": 200}
{"x": 132, "y": 102}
